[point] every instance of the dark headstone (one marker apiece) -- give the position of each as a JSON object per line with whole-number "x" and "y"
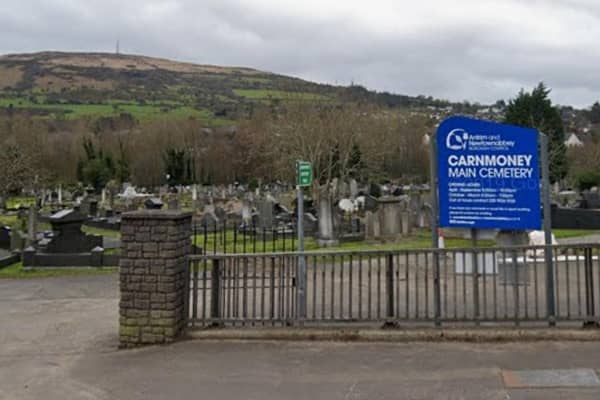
{"x": 153, "y": 203}
{"x": 93, "y": 207}
{"x": 68, "y": 237}
{"x": 371, "y": 203}
{"x": 590, "y": 200}
{"x": 310, "y": 223}
{"x": 4, "y": 237}
{"x": 375, "y": 190}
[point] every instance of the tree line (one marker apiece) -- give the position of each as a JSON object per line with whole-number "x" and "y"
{"x": 365, "y": 142}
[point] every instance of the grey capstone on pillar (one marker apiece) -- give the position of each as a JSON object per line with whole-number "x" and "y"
{"x": 153, "y": 278}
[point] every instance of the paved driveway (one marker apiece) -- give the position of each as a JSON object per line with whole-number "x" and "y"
{"x": 58, "y": 341}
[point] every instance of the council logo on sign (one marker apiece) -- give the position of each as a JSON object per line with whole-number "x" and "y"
{"x": 457, "y": 139}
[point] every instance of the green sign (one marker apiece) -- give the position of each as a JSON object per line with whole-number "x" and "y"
{"x": 303, "y": 173}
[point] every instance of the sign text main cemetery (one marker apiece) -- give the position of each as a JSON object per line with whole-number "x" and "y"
{"x": 488, "y": 175}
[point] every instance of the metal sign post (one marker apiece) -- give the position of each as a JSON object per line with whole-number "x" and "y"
{"x": 435, "y": 239}
{"x": 547, "y": 229}
{"x": 303, "y": 179}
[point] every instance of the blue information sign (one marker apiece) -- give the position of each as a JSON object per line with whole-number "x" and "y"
{"x": 488, "y": 175}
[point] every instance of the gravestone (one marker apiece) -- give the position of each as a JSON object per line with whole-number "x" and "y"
{"x": 390, "y": 219}
{"x": 220, "y": 213}
{"x": 265, "y": 214}
{"x": 370, "y": 203}
{"x": 32, "y": 225}
{"x": 17, "y": 240}
{"x": 4, "y": 237}
{"x": 512, "y": 267}
{"x": 415, "y": 204}
{"x": 153, "y": 203}
{"x": 326, "y": 234}
{"x": 353, "y": 189}
{"x": 590, "y": 200}
{"x": 425, "y": 217}
{"x": 406, "y": 223}
{"x": 246, "y": 213}
{"x": 173, "y": 203}
{"x": 310, "y": 223}
{"x": 209, "y": 220}
{"x": 369, "y": 225}
{"x": 68, "y": 237}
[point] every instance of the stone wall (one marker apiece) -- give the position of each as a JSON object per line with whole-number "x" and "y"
{"x": 153, "y": 276}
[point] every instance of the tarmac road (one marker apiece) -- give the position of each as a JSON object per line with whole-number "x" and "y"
{"x": 58, "y": 341}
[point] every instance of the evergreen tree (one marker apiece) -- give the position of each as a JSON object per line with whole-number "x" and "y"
{"x": 594, "y": 113}
{"x": 97, "y": 168}
{"x": 179, "y": 167}
{"x": 535, "y": 110}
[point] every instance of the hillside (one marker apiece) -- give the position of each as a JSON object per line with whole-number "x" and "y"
{"x": 71, "y": 85}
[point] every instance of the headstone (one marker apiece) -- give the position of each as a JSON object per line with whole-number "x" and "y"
{"x": 311, "y": 223}
{"x": 4, "y": 237}
{"x": 343, "y": 189}
{"x": 326, "y": 235}
{"x": 415, "y": 203}
{"x": 60, "y": 195}
{"x": 353, "y": 189}
{"x": 369, "y": 222}
{"x": 17, "y": 240}
{"x": 209, "y": 219}
{"x": 390, "y": 216}
{"x": 512, "y": 271}
{"x": 68, "y": 237}
{"x": 425, "y": 217}
{"x": 153, "y": 203}
{"x": 376, "y": 225}
{"x": 32, "y": 225}
{"x": 265, "y": 214}
{"x": 406, "y": 223}
{"x": 93, "y": 207}
{"x": 512, "y": 238}
{"x": 375, "y": 190}
{"x": 556, "y": 188}
{"x": 590, "y": 200}
{"x": 173, "y": 203}
{"x": 370, "y": 203}
{"x": 246, "y": 214}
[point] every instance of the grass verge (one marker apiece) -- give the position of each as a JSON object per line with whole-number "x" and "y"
{"x": 16, "y": 271}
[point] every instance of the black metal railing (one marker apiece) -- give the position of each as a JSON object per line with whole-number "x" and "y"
{"x": 473, "y": 285}
{"x": 232, "y": 237}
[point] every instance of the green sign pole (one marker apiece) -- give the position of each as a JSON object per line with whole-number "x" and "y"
{"x": 303, "y": 179}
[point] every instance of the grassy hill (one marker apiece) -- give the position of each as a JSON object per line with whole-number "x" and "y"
{"x": 73, "y": 85}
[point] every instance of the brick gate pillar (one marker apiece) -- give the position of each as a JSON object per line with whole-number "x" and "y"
{"x": 152, "y": 274}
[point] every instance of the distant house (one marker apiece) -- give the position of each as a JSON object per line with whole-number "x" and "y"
{"x": 573, "y": 141}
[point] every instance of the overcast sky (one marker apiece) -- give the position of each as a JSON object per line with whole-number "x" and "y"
{"x": 476, "y": 50}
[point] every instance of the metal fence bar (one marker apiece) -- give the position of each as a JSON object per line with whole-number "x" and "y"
{"x": 389, "y": 286}
{"x": 242, "y": 289}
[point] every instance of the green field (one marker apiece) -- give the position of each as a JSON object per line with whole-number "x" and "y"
{"x": 112, "y": 108}
{"x": 265, "y": 94}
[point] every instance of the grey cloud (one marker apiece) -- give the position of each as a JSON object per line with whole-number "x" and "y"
{"x": 478, "y": 58}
